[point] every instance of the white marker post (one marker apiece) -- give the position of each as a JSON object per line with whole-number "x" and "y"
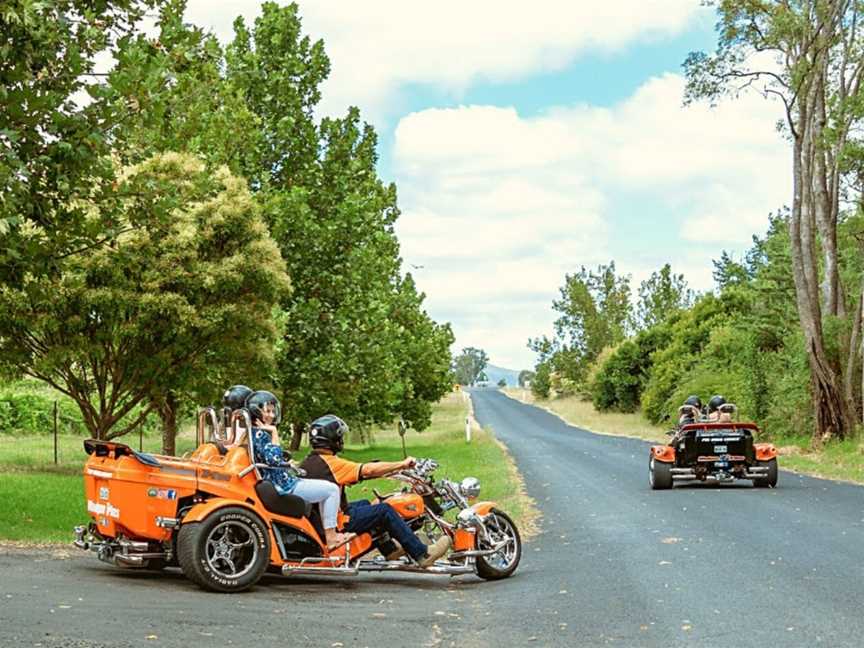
{"x": 467, "y": 429}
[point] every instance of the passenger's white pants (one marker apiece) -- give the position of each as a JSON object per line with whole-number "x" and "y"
{"x": 323, "y": 493}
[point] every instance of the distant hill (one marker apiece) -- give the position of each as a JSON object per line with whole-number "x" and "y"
{"x": 494, "y": 374}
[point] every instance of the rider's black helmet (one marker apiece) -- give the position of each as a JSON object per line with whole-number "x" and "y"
{"x": 694, "y": 401}
{"x": 715, "y": 403}
{"x": 257, "y": 401}
{"x": 235, "y": 397}
{"x": 328, "y": 432}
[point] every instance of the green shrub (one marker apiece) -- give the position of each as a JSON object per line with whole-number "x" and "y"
{"x": 620, "y": 380}
{"x": 27, "y": 407}
{"x": 541, "y": 383}
{"x": 689, "y": 335}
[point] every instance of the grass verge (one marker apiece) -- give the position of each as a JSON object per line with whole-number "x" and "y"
{"x": 840, "y": 460}
{"x": 42, "y": 506}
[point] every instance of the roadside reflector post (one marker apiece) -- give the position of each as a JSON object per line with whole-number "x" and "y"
{"x": 55, "y": 432}
{"x": 467, "y": 429}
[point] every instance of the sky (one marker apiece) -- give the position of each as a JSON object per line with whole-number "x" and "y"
{"x": 527, "y": 140}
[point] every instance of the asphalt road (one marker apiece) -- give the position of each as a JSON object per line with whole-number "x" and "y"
{"x": 615, "y": 564}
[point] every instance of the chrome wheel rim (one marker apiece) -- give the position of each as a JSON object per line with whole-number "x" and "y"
{"x": 498, "y": 530}
{"x": 231, "y": 549}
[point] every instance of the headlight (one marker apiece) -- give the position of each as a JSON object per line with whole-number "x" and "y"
{"x": 470, "y": 487}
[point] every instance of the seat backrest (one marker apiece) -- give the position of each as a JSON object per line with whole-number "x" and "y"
{"x": 289, "y": 505}
{"x": 237, "y": 459}
{"x": 205, "y": 453}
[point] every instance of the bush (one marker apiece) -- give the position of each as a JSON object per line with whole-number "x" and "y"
{"x": 541, "y": 383}
{"x": 689, "y": 335}
{"x": 27, "y": 407}
{"x": 621, "y": 378}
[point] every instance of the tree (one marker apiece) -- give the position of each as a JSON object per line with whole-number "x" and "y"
{"x": 502, "y": 383}
{"x": 541, "y": 384}
{"x": 122, "y": 328}
{"x": 333, "y": 219}
{"x": 157, "y": 86}
{"x": 423, "y": 348}
{"x": 816, "y": 76}
{"x": 468, "y": 366}
{"x": 53, "y": 150}
{"x": 525, "y": 377}
{"x": 594, "y": 313}
{"x": 663, "y": 294}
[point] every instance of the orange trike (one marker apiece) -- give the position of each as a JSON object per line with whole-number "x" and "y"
{"x": 211, "y": 514}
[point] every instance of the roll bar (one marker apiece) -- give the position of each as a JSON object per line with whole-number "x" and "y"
{"x": 231, "y": 432}
{"x": 207, "y": 415}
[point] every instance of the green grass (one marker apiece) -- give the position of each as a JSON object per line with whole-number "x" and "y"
{"x": 842, "y": 460}
{"x": 34, "y": 453}
{"x": 41, "y": 503}
{"x": 40, "y": 507}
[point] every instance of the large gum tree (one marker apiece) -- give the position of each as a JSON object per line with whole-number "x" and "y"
{"x": 808, "y": 57}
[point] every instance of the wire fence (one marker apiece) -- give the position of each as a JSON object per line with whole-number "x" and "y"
{"x": 60, "y": 449}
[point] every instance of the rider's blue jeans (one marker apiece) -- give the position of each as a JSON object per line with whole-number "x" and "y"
{"x": 366, "y": 517}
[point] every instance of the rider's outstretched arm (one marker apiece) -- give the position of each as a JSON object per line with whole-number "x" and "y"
{"x": 383, "y": 468}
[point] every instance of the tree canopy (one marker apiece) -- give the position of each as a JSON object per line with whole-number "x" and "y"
{"x": 195, "y": 271}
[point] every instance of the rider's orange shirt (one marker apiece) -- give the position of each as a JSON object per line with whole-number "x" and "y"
{"x": 344, "y": 472}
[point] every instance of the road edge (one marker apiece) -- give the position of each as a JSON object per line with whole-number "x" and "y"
{"x": 531, "y": 524}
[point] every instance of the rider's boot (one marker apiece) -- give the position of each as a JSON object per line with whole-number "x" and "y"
{"x": 397, "y": 552}
{"x": 435, "y": 551}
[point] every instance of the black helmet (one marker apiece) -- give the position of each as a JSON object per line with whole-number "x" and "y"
{"x": 257, "y": 401}
{"x": 715, "y": 403}
{"x": 694, "y": 401}
{"x": 328, "y": 432}
{"x": 235, "y": 397}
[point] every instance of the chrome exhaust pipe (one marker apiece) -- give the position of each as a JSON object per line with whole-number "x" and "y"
{"x": 288, "y": 570}
{"x": 438, "y": 568}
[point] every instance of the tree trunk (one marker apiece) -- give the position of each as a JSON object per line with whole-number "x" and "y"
{"x": 830, "y": 406}
{"x": 296, "y": 435}
{"x": 853, "y": 357}
{"x": 167, "y": 410}
{"x": 824, "y": 208}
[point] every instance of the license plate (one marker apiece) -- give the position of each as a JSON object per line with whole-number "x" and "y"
{"x": 721, "y": 464}
{"x": 719, "y": 449}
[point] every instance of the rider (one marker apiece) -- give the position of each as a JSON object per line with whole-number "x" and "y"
{"x": 265, "y": 411}
{"x": 714, "y": 413}
{"x": 327, "y": 438}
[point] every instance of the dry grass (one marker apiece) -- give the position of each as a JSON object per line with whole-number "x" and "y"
{"x": 580, "y": 413}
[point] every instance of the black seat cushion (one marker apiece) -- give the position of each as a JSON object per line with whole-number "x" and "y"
{"x": 289, "y": 505}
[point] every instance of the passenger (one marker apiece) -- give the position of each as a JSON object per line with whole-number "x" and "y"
{"x": 714, "y": 413}
{"x": 233, "y": 399}
{"x": 266, "y": 413}
{"x": 690, "y": 410}
{"x": 327, "y": 438}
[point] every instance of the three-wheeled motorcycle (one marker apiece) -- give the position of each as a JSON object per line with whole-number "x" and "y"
{"x": 211, "y": 514}
{"x": 716, "y": 451}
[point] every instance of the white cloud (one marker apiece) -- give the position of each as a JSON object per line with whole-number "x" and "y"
{"x": 497, "y": 207}
{"x": 376, "y": 47}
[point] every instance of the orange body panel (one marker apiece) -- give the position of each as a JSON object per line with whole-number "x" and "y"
{"x": 360, "y": 545}
{"x": 765, "y": 451}
{"x": 483, "y": 508}
{"x": 463, "y": 540}
{"x": 407, "y": 505}
{"x": 126, "y": 496}
{"x": 663, "y": 453}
